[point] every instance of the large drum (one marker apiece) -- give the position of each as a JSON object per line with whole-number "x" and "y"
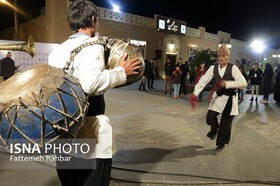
{"x": 117, "y": 50}
{"x": 40, "y": 104}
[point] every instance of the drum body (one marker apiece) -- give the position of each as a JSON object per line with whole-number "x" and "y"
{"x": 117, "y": 50}
{"x": 39, "y": 105}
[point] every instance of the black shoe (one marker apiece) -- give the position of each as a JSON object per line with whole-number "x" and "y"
{"x": 252, "y": 99}
{"x": 256, "y": 99}
{"x": 212, "y": 135}
{"x": 220, "y": 147}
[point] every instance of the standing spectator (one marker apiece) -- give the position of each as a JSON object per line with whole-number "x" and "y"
{"x": 151, "y": 73}
{"x": 89, "y": 68}
{"x": 255, "y": 76}
{"x": 276, "y": 96}
{"x": 199, "y": 72}
{"x": 184, "y": 69}
{"x": 237, "y": 63}
{"x": 143, "y": 83}
{"x": 224, "y": 101}
{"x": 241, "y": 90}
{"x": 176, "y": 79}
{"x": 168, "y": 68}
{"x": 267, "y": 75}
{"x": 8, "y": 67}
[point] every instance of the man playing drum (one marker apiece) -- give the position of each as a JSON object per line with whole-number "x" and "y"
{"x": 89, "y": 68}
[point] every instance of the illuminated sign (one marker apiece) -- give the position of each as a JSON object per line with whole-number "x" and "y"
{"x": 166, "y": 24}
{"x": 137, "y": 43}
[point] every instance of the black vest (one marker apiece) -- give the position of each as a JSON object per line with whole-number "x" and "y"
{"x": 227, "y": 76}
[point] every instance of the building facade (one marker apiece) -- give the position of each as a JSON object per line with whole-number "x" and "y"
{"x": 52, "y": 27}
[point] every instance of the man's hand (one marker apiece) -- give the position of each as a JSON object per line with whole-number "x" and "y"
{"x": 223, "y": 84}
{"x": 18, "y": 66}
{"x": 131, "y": 67}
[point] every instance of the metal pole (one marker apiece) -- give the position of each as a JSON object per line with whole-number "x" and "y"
{"x": 16, "y": 20}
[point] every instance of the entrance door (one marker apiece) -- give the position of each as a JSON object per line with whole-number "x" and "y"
{"x": 172, "y": 58}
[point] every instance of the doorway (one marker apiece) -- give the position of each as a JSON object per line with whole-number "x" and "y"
{"x": 172, "y": 58}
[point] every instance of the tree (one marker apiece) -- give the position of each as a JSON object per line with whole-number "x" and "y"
{"x": 210, "y": 57}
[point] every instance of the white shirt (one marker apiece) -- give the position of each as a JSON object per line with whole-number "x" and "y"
{"x": 88, "y": 65}
{"x": 218, "y": 103}
{"x": 90, "y": 70}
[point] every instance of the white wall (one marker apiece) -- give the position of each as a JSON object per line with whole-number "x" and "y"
{"x": 42, "y": 51}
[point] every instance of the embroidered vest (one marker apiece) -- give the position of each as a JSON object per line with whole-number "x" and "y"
{"x": 227, "y": 76}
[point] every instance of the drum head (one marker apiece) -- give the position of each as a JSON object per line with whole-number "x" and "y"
{"x": 32, "y": 85}
{"x": 117, "y": 51}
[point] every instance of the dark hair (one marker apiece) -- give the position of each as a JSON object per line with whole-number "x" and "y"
{"x": 268, "y": 66}
{"x": 202, "y": 62}
{"x": 80, "y": 14}
{"x": 241, "y": 67}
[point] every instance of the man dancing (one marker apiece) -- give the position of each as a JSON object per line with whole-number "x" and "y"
{"x": 224, "y": 101}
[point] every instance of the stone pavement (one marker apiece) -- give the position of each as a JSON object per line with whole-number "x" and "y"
{"x": 161, "y": 141}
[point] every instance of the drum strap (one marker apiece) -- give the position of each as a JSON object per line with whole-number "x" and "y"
{"x": 74, "y": 52}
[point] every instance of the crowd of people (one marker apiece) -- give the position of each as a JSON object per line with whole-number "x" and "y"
{"x": 177, "y": 79}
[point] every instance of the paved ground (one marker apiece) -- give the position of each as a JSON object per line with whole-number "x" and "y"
{"x": 161, "y": 141}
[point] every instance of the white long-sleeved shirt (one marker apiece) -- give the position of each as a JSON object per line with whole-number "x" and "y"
{"x": 90, "y": 70}
{"x": 88, "y": 65}
{"x": 218, "y": 103}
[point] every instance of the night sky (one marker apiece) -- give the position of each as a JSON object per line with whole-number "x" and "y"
{"x": 244, "y": 19}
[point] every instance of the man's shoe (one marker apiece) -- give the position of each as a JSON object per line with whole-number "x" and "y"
{"x": 256, "y": 99}
{"x": 220, "y": 147}
{"x": 252, "y": 99}
{"x": 212, "y": 135}
{"x": 264, "y": 101}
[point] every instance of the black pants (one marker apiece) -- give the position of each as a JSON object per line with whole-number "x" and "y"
{"x": 224, "y": 127}
{"x": 151, "y": 82}
{"x": 98, "y": 176}
{"x": 183, "y": 86}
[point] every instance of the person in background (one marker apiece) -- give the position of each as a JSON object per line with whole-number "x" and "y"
{"x": 143, "y": 83}
{"x": 224, "y": 101}
{"x": 199, "y": 72}
{"x": 267, "y": 75}
{"x": 184, "y": 70}
{"x": 176, "y": 79}
{"x": 168, "y": 68}
{"x": 151, "y": 73}
{"x": 276, "y": 95}
{"x": 8, "y": 67}
{"x": 237, "y": 63}
{"x": 242, "y": 90}
{"x": 255, "y": 76}
{"x": 89, "y": 68}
